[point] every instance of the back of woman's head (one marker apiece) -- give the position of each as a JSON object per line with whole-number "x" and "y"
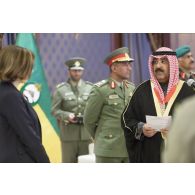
{"x": 16, "y": 63}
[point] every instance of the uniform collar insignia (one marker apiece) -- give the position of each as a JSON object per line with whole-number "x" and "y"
{"x": 182, "y": 74}
{"x": 112, "y": 85}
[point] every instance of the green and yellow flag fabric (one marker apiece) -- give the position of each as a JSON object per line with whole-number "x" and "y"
{"x": 37, "y": 91}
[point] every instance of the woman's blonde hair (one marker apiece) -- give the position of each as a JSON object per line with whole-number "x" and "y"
{"x": 16, "y": 63}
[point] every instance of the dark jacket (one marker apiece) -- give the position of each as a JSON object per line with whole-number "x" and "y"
{"x": 146, "y": 149}
{"x": 20, "y": 129}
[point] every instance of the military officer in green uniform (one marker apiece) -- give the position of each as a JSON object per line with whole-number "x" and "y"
{"x": 186, "y": 63}
{"x": 68, "y": 105}
{"x": 107, "y": 100}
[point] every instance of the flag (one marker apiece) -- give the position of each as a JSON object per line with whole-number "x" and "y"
{"x": 37, "y": 91}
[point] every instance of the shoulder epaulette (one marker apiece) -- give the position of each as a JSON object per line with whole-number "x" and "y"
{"x": 129, "y": 83}
{"x": 101, "y": 83}
{"x": 60, "y": 85}
{"x": 87, "y": 82}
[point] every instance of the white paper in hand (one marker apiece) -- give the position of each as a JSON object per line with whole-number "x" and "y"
{"x": 159, "y": 123}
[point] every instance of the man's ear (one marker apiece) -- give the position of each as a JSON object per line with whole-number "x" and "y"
{"x": 113, "y": 68}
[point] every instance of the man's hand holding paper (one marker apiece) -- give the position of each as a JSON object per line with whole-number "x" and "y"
{"x": 158, "y": 123}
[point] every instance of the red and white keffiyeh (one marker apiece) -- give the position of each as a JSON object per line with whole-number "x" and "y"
{"x": 173, "y": 77}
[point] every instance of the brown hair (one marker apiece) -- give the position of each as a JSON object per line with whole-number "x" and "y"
{"x": 15, "y": 63}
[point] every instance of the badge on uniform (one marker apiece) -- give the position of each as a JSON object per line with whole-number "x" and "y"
{"x": 77, "y": 64}
{"x": 69, "y": 93}
{"x": 182, "y": 74}
{"x": 113, "y": 96}
{"x": 113, "y": 85}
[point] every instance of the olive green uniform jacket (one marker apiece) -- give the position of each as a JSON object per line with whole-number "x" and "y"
{"x": 102, "y": 117}
{"x": 69, "y": 99}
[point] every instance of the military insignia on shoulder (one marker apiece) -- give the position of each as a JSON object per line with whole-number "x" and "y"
{"x": 87, "y": 82}
{"x": 101, "y": 83}
{"x": 31, "y": 92}
{"x": 59, "y": 85}
{"x": 128, "y": 83}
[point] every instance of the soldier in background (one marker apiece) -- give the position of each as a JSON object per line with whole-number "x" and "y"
{"x": 186, "y": 62}
{"x": 107, "y": 100}
{"x": 68, "y": 105}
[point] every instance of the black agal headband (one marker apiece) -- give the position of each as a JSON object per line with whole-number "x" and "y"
{"x": 158, "y": 53}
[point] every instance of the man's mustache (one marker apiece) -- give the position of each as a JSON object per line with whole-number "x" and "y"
{"x": 158, "y": 70}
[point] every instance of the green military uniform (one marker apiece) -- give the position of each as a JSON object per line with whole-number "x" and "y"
{"x": 183, "y": 74}
{"x": 102, "y": 118}
{"x": 71, "y": 99}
